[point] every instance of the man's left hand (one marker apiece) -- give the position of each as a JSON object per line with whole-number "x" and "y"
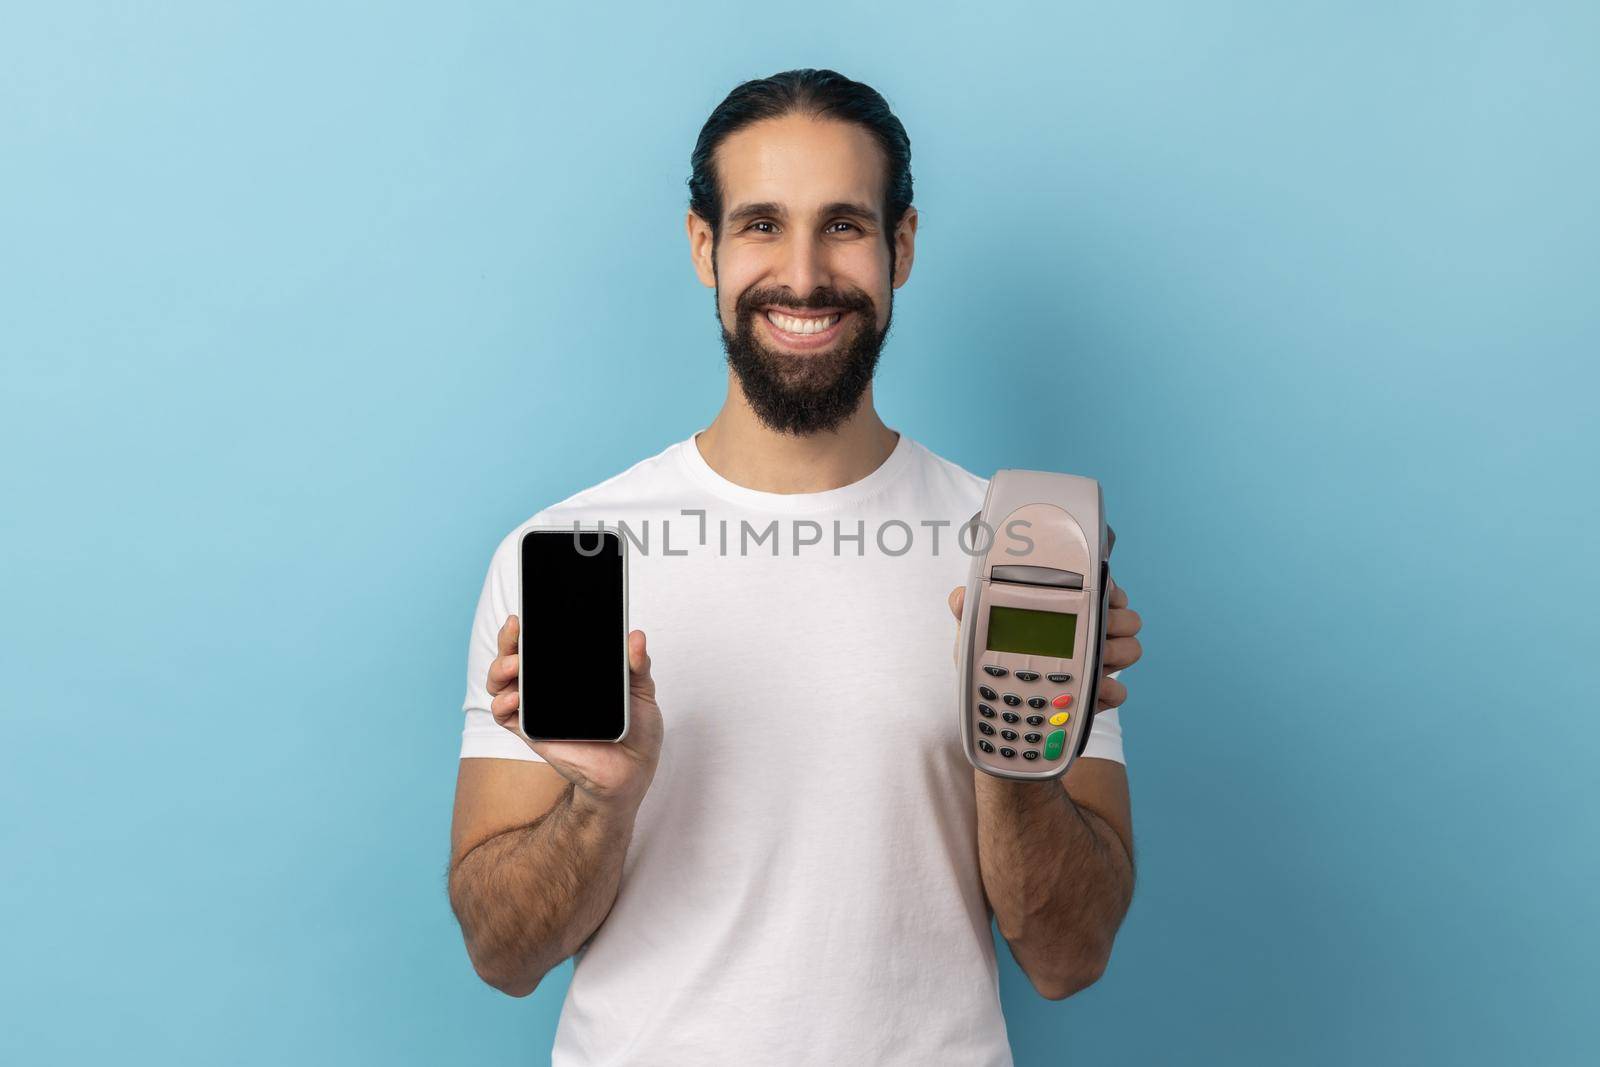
{"x": 1122, "y": 646}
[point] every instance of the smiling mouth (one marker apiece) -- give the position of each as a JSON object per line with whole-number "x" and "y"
{"x": 804, "y": 325}
{"x": 804, "y": 331}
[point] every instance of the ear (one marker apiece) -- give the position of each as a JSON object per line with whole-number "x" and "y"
{"x": 701, "y": 247}
{"x": 905, "y": 246}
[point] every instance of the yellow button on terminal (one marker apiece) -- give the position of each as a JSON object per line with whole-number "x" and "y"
{"x": 1059, "y": 717}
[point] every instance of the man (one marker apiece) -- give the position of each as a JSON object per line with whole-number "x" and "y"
{"x": 790, "y": 861}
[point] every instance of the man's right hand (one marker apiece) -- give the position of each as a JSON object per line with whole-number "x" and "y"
{"x": 608, "y": 775}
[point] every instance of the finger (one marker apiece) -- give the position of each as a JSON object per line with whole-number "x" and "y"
{"x": 503, "y": 672}
{"x": 1123, "y": 622}
{"x": 1119, "y": 595}
{"x": 1111, "y": 694}
{"x": 504, "y": 708}
{"x": 958, "y": 597}
{"x": 1121, "y": 652}
{"x": 508, "y": 635}
{"x": 640, "y": 679}
{"x": 638, "y": 654}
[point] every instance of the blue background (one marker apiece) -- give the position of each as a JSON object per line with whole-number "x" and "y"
{"x": 305, "y": 305}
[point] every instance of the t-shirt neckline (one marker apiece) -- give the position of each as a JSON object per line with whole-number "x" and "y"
{"x": 824, "y": 500}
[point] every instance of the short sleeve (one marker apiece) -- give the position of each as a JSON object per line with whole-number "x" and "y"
{"x": 481, "y": 735}
{"x": 1105, "y": 734}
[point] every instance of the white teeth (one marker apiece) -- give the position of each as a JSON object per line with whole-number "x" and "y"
{"x": 791, "y": 324}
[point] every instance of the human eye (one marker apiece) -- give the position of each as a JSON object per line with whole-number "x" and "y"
{"x": 759, "y": 222}
{"x": 844, "y": 222}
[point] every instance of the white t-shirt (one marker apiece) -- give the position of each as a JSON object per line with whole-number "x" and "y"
{"x": 802, "y": 885}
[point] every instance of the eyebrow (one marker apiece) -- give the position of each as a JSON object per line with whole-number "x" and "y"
{"x": 767, "y": 207}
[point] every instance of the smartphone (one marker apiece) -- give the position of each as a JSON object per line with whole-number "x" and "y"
{"x": 572, "y": 646}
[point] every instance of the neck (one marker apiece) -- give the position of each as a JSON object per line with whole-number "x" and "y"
{"x": 741, "y": 449}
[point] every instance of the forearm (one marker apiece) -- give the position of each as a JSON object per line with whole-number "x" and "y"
{"x": 1057, "y": 877}
{"x": 529, "y": 897}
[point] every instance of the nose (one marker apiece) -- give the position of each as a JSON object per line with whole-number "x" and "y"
{"x": 805, "y": 266}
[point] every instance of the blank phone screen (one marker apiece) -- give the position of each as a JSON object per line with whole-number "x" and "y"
{"x": 573, "y": 635}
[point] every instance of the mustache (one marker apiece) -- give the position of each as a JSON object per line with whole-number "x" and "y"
{"x": 753, "y": 300}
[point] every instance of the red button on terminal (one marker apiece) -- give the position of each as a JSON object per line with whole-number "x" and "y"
{"x": 1063, "y": 700}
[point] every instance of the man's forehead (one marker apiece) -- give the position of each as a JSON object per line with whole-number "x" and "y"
{"x": 803, "y": 166}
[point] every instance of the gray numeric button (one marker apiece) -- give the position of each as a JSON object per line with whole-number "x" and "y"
{"x": 1008, "y": 752}
{"x": 984, "y": 745}
{"x": 1012, "y": 699}
{"x": 1032, "y": 753}
{"x": 985, "y": 728}
{"x": 1037, "y": 702}
{"x": 986, "y": 693}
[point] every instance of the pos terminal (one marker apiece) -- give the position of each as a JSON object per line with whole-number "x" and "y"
{"x": 1033, "y": 623}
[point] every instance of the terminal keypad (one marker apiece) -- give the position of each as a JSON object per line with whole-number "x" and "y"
{"x": 1045, "y": 695}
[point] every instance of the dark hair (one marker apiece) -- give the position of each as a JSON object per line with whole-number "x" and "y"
{"x": 818, "y": 93}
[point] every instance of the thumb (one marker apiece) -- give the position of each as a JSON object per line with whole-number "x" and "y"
{"x": 507, "y": 640}
{"x": 639, "y": 663}
{"x": 958, "y": 597}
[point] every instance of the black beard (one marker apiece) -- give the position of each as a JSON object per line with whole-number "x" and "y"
{"x": 810, "y": 393}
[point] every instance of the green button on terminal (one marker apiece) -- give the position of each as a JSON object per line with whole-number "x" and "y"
{"x": 1053, "y": 743}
